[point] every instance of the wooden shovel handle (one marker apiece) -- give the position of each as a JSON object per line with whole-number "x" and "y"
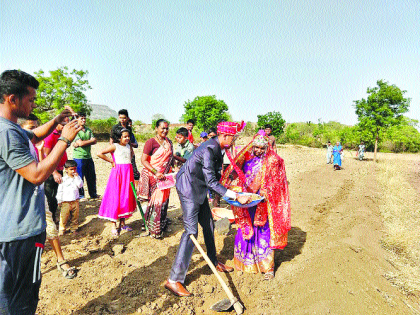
{"x": 236, "y": 304}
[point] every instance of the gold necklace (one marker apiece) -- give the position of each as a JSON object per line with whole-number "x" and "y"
{"x": 161, "y": 141}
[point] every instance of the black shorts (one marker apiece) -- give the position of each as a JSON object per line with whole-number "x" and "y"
{"x": 20, "y": 275}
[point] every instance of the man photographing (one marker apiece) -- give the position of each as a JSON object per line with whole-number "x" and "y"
{"x": 22, "y": 205}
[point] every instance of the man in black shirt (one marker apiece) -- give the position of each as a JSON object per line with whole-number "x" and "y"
{"x": 116, "y": 129}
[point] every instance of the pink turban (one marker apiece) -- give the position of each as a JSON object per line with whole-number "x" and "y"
{"x": 230, "y": 128}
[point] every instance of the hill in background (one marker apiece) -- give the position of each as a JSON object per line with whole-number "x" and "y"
{"x": 102, "y": 112}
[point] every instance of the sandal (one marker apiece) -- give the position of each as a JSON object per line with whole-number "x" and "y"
{"x": 126, "y": 228}
{"x": 269, "y": 275}
{"x": 69, "y": 273}
{"x": 156, "y": 236}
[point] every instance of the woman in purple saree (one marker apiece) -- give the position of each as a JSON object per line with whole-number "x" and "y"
{"x": 262, "y": 228}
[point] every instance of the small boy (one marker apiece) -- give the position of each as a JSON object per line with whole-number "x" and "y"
{"x": 68, "y": 197}
{"x": 184, "y": 148}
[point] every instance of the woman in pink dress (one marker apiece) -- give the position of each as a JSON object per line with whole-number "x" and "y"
{"x": 118, "y": 202}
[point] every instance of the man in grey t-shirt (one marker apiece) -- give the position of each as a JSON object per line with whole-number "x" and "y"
{"x": 22, "y": 207}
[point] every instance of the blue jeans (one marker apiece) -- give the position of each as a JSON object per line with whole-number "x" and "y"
{"x": 86, "y": 169}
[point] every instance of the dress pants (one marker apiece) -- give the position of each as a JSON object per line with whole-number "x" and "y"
{"x": 193, "y": 213}
{"x": 86, "y": 169}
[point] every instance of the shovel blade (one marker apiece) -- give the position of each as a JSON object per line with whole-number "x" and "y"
{"x": 222, "y": 306}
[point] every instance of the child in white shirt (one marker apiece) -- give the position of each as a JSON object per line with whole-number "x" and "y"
{"x": 68, "y": 197}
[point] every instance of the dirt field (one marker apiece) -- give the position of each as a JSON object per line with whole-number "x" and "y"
{"x": 335, "y": 262}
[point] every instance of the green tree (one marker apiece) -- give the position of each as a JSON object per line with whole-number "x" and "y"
{"x": 61, "y": 88}
{"x": 383, "y": 108}
{"x": 102, "y": 125}
{"x": 275, "y": 119}
{"x": 155, "y": 118}
{"x": 207, "y": 111}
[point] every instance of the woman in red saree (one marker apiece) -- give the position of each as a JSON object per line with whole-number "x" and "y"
{"x": 263, "y": 228}
{"x": 156, "y": 159}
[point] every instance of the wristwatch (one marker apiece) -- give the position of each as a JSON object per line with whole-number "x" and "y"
{"x": 67, "y": 141}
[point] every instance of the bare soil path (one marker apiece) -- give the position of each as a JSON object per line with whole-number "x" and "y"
{"x": 334, "y": 262}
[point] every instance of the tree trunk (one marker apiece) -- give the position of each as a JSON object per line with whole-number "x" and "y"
{"x": 376, "y": 149}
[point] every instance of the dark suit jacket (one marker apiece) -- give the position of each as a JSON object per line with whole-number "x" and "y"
{"x": 201, "y": 171}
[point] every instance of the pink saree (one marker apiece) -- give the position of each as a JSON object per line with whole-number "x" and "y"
{"x": 157, "y": 207}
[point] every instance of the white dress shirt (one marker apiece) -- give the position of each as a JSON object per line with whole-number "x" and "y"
{"x": 68, "y": 190}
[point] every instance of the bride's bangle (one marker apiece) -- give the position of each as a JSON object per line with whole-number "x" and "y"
{"x": 154, "y": 171}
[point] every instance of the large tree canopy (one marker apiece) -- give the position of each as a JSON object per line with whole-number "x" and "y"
{"x": 275, "y": 119}
{"x": 383, "y": 108}
{"x": 61, "y": 88}
{"x": 207, "y": 111}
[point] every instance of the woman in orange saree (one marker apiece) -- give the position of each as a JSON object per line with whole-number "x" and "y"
{"x": 262, "y": 228}
{"x": 156, "y": 159}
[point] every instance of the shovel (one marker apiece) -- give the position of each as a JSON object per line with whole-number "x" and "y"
{"x": 139, "y": 206}
{"x": 224, "y": 304}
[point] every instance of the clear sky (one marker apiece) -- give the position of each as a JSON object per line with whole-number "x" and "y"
{"x": 307, "y": 59}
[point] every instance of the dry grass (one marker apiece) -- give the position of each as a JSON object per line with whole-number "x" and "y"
{"x": 400, "y": 209}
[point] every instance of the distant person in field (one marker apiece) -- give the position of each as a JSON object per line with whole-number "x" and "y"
{"x": 190, "y": 127}
{"x": 124, "y": 124}
{"x": 337, "y": 151}
{"x": 63, "y": 267}
{"x": 68, "y": 197}
{"x": 268, "y": 130}
{"x": 22, "y": 202}
{"x": 212, "y": 133}
{"x": 264, "y": 227}
{"x": 330, "y": 148}
{"x": 82, "y": 155}
{"x": 361, "y": 151}
{"x": 184, "y": 148}
{"x": 118, "y": 202}
{"x": 157, "y": 158}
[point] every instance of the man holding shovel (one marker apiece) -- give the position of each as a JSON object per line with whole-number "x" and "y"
{"x": 196, "y": 176}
